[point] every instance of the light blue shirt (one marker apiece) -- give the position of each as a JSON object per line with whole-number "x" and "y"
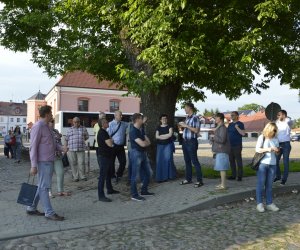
{"x": 270, "y": 157}
{"x": 119, "y": 138}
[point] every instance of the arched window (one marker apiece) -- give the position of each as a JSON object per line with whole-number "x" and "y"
{"x": 114, "y": 105}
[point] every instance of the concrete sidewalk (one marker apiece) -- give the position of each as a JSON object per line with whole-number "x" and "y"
{"x": 83, "y": 209}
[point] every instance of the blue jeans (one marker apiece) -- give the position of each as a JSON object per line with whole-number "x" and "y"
{"x": 45, "y": 172}
{"x": 129, "y": 166}
{"x": 285, "y": 149}
{"x": 189, "y": 148}
{"x": 18, "y": 151}
{"x": 265, "y": 176}
{"x": 139, "y": 166}
{"x": 105, "y": 165}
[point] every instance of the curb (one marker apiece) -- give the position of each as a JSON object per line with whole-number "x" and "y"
{"x": 211, "y": 203}
{"x": 230, "y": 198}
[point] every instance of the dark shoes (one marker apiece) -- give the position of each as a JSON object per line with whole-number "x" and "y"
{"x": 76, "y": 180}
{"x": 105, "y": 199}
{"x": 84, "y": 179}
{"x": 239, "y": 179}
{"x": 36, "y": 212}
{"x": 138, "y": 198}
{"x": 198, "y": 184}
{"x": 147, "y": 193}
{"x": 276, "y": 179}
{"x": 282, "y": 183}
{"x": 113, "y": 192}
{"x": 55, "y": 217}
{"x": 231, "y": 178}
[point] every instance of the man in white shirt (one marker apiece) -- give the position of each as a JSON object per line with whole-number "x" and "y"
{"x": 284, "y": 125}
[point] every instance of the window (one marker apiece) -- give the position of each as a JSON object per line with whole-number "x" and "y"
{"x": 18, "y": 119}
{"x": 114, "y": 105}
{"x": 83, "y": 105}
{"x": 24, "y": 120}
{"x": 11, "y": 119}
{"x": 1, "y": 119}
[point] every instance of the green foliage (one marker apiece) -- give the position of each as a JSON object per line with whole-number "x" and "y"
{"x": 144, "y": 45}
{"x": 296, "y": 123}
{"x": 211, "y": 112}
{"x": 251, "y": 106}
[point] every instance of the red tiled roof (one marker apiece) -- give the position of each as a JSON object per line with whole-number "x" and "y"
{"x": 254, "y": 122}
{"x": 13, "y": 109}
{"x": 80, "y": 79}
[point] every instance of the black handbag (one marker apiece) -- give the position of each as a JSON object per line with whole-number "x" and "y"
{"x": 257, "y": 158}
{"x": 65, "y": 160}
{"x": 27, "y": 193}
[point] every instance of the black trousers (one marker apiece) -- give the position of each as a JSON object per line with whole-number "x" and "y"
{"x": 118, "y": 152}
{"x": 104, "y": 176}
{"x": 236, "y": 162}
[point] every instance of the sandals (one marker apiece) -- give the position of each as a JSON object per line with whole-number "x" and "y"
{"x": 184, "y": 182}
{"x": 198, "y": 184}
{"x": 63, "y": 194}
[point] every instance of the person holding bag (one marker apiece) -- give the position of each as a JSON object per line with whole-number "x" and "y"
{"x": 268, "y": 143}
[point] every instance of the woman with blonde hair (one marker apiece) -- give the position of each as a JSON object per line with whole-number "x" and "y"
{"x": 269, "y": 144}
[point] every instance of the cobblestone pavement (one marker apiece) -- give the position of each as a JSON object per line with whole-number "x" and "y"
{"x": 233, "y": 226}
{"x": 123, "y": 224}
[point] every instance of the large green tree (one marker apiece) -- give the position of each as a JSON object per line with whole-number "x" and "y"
{"x": 164, "y": 51}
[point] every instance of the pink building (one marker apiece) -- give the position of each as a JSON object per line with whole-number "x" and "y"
{"x": 81, "y": 91}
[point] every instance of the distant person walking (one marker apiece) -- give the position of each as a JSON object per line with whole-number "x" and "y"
{"x": 165, "y": 168}
{"x": 7, "y": 145}
{"x": 284, "y": 125}
{"x": 268, "y": 143}
{"x": 42, "y": 156}
{"x": 75, "y": 144}
{"x": 191, "y": 128}
{"x": 221, "y": 149}
{"x": 236, "y": 131}
{"x": 19, "y": 143}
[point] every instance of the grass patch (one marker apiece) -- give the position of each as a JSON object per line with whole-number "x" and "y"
{"x": 210, "y": 173}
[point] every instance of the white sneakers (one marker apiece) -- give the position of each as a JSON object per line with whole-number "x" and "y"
{"x": 260, "y": 208}
{"x": 272, "y": 207}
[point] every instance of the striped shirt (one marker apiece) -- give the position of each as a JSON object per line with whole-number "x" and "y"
{"x": 76, "y": 138}
{"x": 192, "y": 121}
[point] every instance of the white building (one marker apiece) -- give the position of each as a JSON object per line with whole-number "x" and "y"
{"x": 11, "y": 115}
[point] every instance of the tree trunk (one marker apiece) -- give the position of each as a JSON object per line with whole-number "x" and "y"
{"x": 153, "y": 105}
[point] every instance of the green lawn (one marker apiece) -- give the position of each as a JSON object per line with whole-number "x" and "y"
{"x": 208, "y": 172}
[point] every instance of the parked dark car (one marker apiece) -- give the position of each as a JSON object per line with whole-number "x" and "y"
{"x": 295, "y": 138}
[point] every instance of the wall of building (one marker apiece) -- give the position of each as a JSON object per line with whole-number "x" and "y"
{"x": 66, "y": 99}
{"x": 33, "y": 110}
{"x": 10, "y": 122}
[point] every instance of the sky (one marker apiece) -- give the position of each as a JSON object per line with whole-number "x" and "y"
{"x": 20, "y": 79}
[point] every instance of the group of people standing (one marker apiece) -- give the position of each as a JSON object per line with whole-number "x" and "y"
{"x": 46, "y": 151}
{"x": 13, "y": 144}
